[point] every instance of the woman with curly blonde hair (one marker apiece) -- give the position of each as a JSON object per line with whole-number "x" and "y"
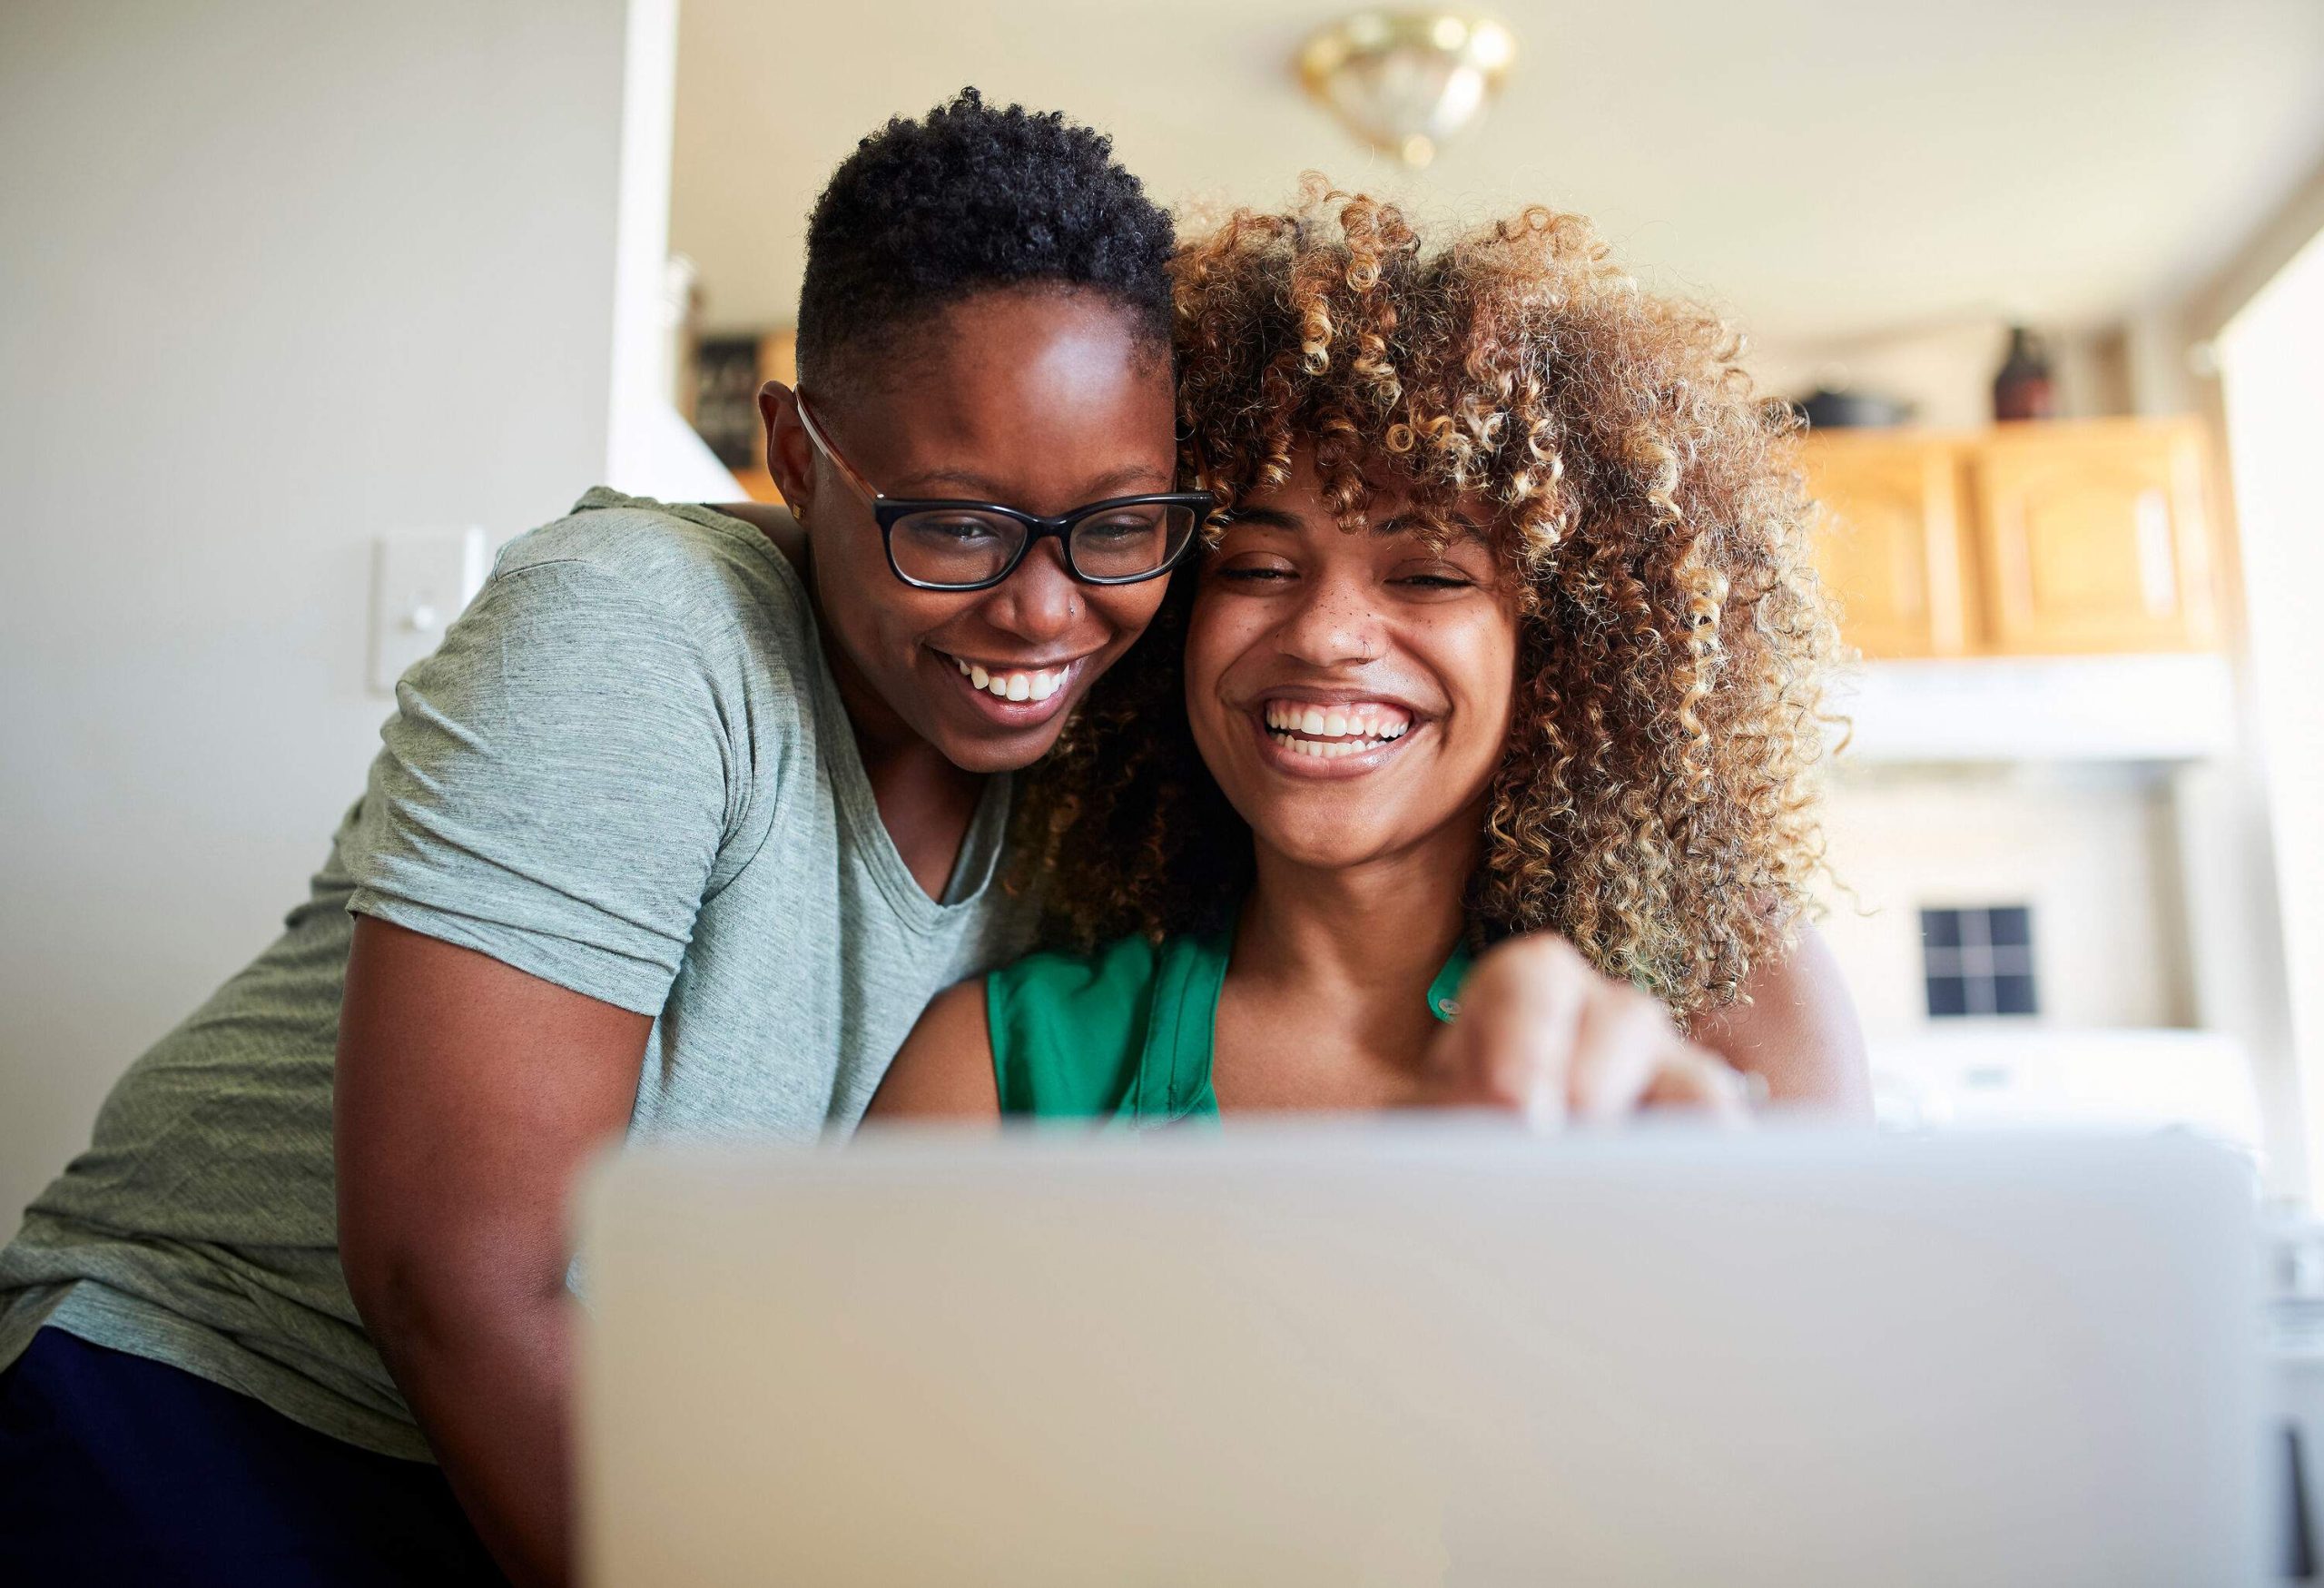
{"x": 1503, "y": 647}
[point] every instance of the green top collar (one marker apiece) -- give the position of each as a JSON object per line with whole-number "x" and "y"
{"x": 1126, "y": 1033}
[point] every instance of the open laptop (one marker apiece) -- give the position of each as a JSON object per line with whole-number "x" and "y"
{"x": 1407, "y": 1352}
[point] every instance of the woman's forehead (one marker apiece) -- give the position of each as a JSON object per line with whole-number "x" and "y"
{"x": 1301, "y": 507}
{"x": 1388, "y": 487}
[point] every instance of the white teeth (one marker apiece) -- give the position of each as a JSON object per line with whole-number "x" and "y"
{"x": 1362, "y": 722}
{"x": 1325, "y": 750}
{"x": 1037, "y": 683}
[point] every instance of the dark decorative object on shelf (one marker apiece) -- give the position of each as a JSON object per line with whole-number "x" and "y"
{"x": 1826, "y": 409}
{"x": 1979, "y": 962}
{"x": 725, "y": 404}
{"x": 2023, "y": 389}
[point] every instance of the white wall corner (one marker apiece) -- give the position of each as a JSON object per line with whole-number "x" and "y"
{"x": 642, "y": 456}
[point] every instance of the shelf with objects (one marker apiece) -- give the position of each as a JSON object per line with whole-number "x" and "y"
{"x": 728, "y": 371}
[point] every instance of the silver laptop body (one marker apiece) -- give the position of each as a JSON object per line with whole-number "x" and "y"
{"x": 1413, "y": 1352}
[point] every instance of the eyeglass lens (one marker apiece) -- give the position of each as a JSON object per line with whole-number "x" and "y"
{"x": 962, "y": 546}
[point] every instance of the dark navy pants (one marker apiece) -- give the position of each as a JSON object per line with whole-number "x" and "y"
{"x": 117, "y": 1470}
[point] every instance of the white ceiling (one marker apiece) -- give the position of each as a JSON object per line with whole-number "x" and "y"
{"x": 1814, "y": 167}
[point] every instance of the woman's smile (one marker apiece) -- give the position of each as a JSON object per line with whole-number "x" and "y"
{"x": 1325, "y": 734}
{"x": 1017, "y": 694}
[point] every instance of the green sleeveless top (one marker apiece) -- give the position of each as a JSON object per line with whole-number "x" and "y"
{"x": 1123, "y": 1033}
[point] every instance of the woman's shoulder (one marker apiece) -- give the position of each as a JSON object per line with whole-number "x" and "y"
{"x": 1069, "y": 1030}
{"x": 1053, "y": 1033}
{"x": 714, "y": 576}
{"x": 1103, "y": 974}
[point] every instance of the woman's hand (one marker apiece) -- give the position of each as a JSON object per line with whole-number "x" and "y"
{"x": 1541, "y": 1031}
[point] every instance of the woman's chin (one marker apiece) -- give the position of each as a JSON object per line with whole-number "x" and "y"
{"x": 1323, "y": 845}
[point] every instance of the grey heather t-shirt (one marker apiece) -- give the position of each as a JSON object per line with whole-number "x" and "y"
{"x": 627, "y": 771}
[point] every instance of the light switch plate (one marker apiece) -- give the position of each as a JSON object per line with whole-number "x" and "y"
{"x": 421, "y": 580}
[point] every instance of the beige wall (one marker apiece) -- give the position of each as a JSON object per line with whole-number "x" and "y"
{"x": 275, "y": 278}
{"x": 2089, "y": 848}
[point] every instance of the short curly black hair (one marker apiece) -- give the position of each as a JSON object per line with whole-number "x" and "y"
{"x": 924, "y": 213}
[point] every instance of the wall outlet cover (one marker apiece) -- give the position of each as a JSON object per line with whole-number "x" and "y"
{"x": 420, "y": 581}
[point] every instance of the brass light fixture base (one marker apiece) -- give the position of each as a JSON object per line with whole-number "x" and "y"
{"x": 1406, "y": 81}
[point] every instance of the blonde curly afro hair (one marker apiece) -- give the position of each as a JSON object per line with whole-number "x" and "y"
{"x": 1656, "y": 802}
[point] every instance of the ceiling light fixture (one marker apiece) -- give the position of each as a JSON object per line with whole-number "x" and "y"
{"x": 1406, "y": 81}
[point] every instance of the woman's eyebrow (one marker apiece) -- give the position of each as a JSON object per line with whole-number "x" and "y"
{"x": 1265, "y": 518}
{"x": 1463, "y": 527}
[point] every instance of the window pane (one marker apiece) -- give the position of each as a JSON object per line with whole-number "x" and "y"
{"x": 2014, "y": 995}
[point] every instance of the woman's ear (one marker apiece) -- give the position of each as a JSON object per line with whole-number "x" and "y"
{"x": 790, "y": 455}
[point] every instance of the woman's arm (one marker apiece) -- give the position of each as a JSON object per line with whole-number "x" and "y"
{"x": 1795, "y": 1027}
{"x": 944, "y": 1069}
{"x": 555, "y": 789}
{"x": 468, "y": 1095}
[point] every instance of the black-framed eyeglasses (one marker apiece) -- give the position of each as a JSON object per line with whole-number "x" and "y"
{"x": 938, "y": 545}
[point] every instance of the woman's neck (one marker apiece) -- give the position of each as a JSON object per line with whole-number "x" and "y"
{"x": 1381, "y": 929}
{"x": 1325, "y": 999}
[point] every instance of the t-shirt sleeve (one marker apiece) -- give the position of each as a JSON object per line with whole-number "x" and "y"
{"x": 553, "y": 787}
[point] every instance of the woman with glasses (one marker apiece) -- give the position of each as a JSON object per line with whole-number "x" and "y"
{"x": 1476, "y": 766}
{"x": 677, "y": 831}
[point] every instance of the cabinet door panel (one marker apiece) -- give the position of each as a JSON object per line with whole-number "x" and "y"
{"x": 1888, "y": 547}
{"x": 2092, "y": 537}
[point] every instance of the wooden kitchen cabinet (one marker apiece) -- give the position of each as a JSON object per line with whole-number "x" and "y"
{"x": 2030, "y": 539}
{"x": 2092, "y": 537}
{"x": 1889, "y": 545}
